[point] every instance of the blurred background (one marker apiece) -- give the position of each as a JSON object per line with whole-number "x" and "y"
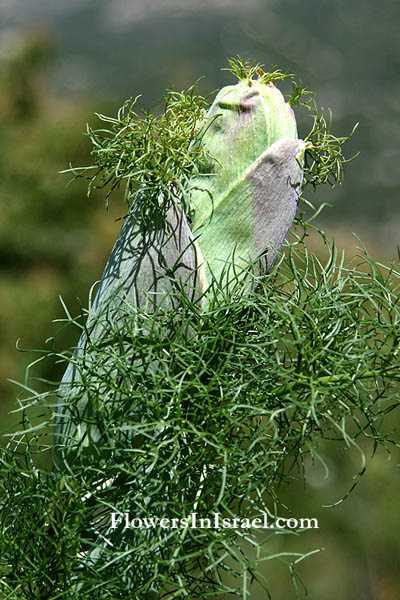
{"x": 60, "y": 62}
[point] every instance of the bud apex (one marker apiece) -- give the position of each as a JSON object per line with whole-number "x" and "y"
{"x": 245, "y": 197}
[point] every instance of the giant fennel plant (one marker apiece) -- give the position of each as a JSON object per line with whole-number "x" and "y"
{"x": 202, "y": 375}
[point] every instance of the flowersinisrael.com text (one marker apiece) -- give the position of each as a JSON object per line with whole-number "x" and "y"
{"x": 216, "y": 521}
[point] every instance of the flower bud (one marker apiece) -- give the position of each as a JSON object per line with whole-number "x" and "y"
{"x": 245, "y": 197}
{"x": 244, "y": 202}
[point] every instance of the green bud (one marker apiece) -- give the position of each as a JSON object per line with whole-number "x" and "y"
{"x": 244, "y": 201}
{"x": 245, "y": 197}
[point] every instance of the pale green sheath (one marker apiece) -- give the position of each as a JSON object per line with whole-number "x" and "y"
{"x": 142, "y": 272}
{"x": 245, "y": 199}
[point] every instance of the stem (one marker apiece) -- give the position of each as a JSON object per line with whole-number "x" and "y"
{"x": 327, "y": 379}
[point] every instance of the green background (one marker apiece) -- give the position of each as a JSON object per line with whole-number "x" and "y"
{"x": 60, "y": 62}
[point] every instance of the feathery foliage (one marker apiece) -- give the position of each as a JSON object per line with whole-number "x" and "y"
{"x": 197, "y": 410}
